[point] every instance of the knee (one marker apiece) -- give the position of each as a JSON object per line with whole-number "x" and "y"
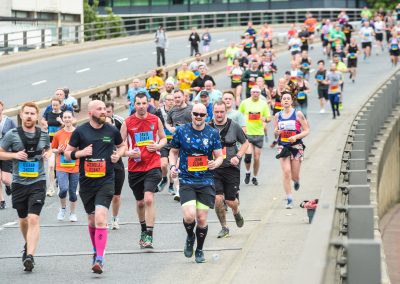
{"x": 189, "y": 217}
{"x": 201, "y": 220}
{"x": 148, "y": 201}
{"x": 247, "y": 158}
{"x": 287, "y": 174}
{"x": 63, "y": 193}
{"x": 116, "y": 198}
{"x": 219, "y": 199}
{"x": 164, "y": 163}
{"x": 72, "y": 196}
{"x": 257, "y": 155}
{"x": 140, "y": 204}
{"x": 33, "y": 220}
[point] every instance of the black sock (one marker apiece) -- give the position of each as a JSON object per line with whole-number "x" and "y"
{"x": 189, "y": 228}
{"x": 201, "y": 234}
{"x": 171, "y": 184}
{"x": 149, "y": 231}
{"x": 164, "y": 179}
{"x": 143, "y": 226}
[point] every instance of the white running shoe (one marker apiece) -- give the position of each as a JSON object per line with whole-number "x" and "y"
{"x": 115, "y": 224}
{"x": 73, "y": 218}
{"x": 322, "y": 110}
{"x": 61, "y": 214}
{"x": 50, "y": 191}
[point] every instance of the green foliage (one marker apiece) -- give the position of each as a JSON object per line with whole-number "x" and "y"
{"x": 385, "y": 4}
{"x": 97, "y": 27}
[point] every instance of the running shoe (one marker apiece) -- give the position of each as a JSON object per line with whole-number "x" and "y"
{"x": 239, "y": 220}
{"x": 94, "y": 258}
{"x": 199, "y": 256}
{"x": 73, "y": 218}
{"x": 247, "y": 178}
{"x": 289, "y": 204}
{"x": 50, "y": 191}
{"x": 296, "y": 185}
{"x": 142, "y": 237}
{"x": 171, "y": 189}
{"x": 61, "y": 214}
{"x": 24, "y": 253}
{"x": 148, "y": 242}
{"x": 340, "y": 105}
{"x": 177, "y": 197}
{"x": 162, "y": 184}
{"x": 3, "y": 204}
{"x": 188, "y": 249}
{"x": 254, "y": 181}
{"x": 224, "y": 233}
{"x": 29, "y": 263}
{"x": 115, "y": 224}
{"x": 98, "y": 267}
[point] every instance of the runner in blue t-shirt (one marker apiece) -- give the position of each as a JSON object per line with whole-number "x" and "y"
{"x": 196, "y": 144}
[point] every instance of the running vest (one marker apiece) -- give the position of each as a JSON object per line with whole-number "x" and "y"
{"x": 394, "y": 44}
{"x": 267, "y": 70}
{"x": 305, "y": 65}
{"x": 30, "y": 167}
{"x": 52, "y": 123}
{"x": 289, "y": 127}
{"x": 301, "y": 95}
{"x": 143, "y": 132}
{"x": 353, "y": 52}
{"x": 237, "y": 73}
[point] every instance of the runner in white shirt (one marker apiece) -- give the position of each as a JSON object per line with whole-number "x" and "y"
{"x": 366, "y": 34}
{"x": 379, "y": 29}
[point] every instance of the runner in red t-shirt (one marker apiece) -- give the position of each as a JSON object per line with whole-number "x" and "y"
{"x": 144, "y": 164}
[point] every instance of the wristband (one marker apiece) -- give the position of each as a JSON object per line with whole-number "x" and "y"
{"x": 73, "y": 156}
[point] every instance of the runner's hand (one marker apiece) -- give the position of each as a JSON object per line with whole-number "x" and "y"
{"x": 61, "y": 148}
{"x": 234, "y": 161}
{"x": 152, "y": 147}
{"x": 212, "y": 165}
{"x": 174, "y": 173}
{"x": 21, "y": 155}
{"x": 87, "y": 151}
{"x": 292, "y": 139}
{"x": 277, "y": 131}
{"x": 114, "y": 157}
{"x": 46, "y": 154}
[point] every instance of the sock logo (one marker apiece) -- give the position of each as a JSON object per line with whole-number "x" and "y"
{"x": 100, "y": 237}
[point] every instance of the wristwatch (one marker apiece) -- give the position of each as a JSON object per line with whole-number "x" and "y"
{"x": 237, "y": 156}
{"x": 171, "y": 167}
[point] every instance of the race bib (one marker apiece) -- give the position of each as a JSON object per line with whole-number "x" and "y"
{"x": 52, "y": 130}
{"x": 236, "y": 78}
{"x": 144, "y": 138}
{"x": 295, "y": 46}
{"x": 168, "y": 134}
{"x": 254, "y": 116}
{"x": 251, "y": 84}
{"x": 153, "y": 88}
{"x": 320, "y": 77}
{"x": 366, "y": 35}
{"x": 301, "y": 96}
{"x": 64, "y": 163}
{"x": 285, "y": 134}
{"x": 95, "y": 168}
{"x": 268, "y": 76}
{"x": 28, "y": 169}
{"x": 394, "y": 47}
{"x": 352, "y": 55}
{"x": 334, "y": 89}
{"x": 338, "y": 41}
{"x": 306, "y": 66}
{"x": 278, "y": 106}
{"x": 197, "y": 163}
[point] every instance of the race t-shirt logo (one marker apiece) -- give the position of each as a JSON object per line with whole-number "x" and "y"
{"x": 107, "y": 139}
{"x": 205, "y": 142}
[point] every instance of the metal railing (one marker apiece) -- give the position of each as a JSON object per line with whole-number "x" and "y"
{"x": 130, "y": 25}
{"x": 349, "y": 232}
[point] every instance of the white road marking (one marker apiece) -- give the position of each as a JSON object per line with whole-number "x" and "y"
{"x": 9, "y": 224}
{"x": 154, "y": 52}
{"x": 83, "y": 70}
{"x": 122, "y": 59}
{"x": 221, "y": 40}
{"x": 188, "y": 45}
{"x": 39, "y": 82}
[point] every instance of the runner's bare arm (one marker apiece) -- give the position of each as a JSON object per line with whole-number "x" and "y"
{"x": 78, "y": 153}
{"x": 213, "y": 164}
{"x": 161, "y": 134}
{"x": 5, "y": 156}
{"x": 305, "y": 128}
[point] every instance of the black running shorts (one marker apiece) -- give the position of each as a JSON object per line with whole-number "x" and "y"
{"x": 227, "y": 182}
{"x": 28, "y": 199}
{"x": 202, "y": 193}
{"x": 92, "y": 197}
{"x": 140, "y": 182}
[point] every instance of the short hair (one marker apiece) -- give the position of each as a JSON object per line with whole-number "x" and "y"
{"x": 140, "y": 95}
{"x": 197, "y": 53}
{"x": 228, "y": 92}
{"x": 30, "y": 104}
{"x": 110, "y": 104}
{"x": 57, "y": 99}
{"x": 321, "y": 61}
{"x": 219, "y": 103}
{"x": 179, "y": 91}
{"x": 68, "y": 112}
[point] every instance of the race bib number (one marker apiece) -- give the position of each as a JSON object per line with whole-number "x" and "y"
{"x": 168, "y": 134}
{"x": 285, "y": 134}
{"x": 95, "y": 168}
{"x": 144, "y": 138}
{"x": 236, "y": 78}
{"x": 197, "y": 163}
{"x": 295, "y": 46}
{"x": 394, "y": 47}
{"x": 28, "y": 169}
{"x": 278, "y": 106}
{"x": 301, "y": 96}
{"x": 334, "y": 89}
{"x": 64, "y": 163}
{"x": 366, "y": 35}
{"x": 352, "y": 56}
{"x": 153, "y": 88}
{"x": 53, "y": 130}
{"x": 254, "y": 116}
{"x": 268, "y": 76}
{"x": 320, "y": 77}
{"x": 306, "y": 66}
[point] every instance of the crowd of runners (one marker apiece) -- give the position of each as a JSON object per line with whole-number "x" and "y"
{"x": 184, "y": 135}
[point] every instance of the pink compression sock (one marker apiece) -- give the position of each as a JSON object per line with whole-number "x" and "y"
{"x": 101, "y": 240}
{"x": 92, "y": 231}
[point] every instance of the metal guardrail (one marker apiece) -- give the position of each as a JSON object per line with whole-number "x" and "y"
{"x": 49, "y": 36}
{"x": 352, "y": 240}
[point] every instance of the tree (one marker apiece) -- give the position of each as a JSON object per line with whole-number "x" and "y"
{"x": 386, "y": 4}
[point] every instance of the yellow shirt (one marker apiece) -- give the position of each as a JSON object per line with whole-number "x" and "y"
{"x": 153, "y": 84}
{"x": 185, "y": 79}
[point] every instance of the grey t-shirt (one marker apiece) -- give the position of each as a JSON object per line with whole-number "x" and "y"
{"x": 334, "y": 79}
{"x": 237, "y": 117}
{"x": 24, "y": 172}
{"x": 234, "y": 136}
{"x": 180, "y": 116}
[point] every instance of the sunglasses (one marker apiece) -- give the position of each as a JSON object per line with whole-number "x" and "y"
{"x": 199, "y": 114}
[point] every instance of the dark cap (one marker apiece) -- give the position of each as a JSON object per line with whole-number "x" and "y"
{"x": 204, "y": 93}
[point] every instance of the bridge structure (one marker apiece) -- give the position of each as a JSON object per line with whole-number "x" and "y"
{"x": 351, "y": 166}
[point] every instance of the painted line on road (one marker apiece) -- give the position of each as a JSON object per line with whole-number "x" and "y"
{"x": 9, "y": 224}
{"x": 141, "y": 251}
{"x": 154, "y": 52}
{"x": 39, "y": 82}
{"x": 221, "y": 40}
{"x": 122, "y": 59}
{"x": 72, "y": 224}
{"x": 82, "y": 70}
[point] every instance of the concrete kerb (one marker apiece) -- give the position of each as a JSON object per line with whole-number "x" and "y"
{"x": 54, "y": 51}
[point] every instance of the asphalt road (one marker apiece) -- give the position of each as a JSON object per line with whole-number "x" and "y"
{"x": 265, "y": 250}
{"x": 38, "y": 79}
